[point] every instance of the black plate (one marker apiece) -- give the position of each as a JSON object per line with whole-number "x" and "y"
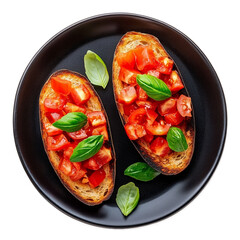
{"x": 160, "y": 197}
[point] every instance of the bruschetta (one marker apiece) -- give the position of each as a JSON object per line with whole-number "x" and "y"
{"x": 66, "y": 92}
{"x": 147, "y": 119}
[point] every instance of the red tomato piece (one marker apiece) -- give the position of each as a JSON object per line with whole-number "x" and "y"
{"x": 128, "y": 109}
{"x": 68, "y": 152}
{"x": 184, "y": 106}
{"x": 53, "y": 117}
{"x": 158, "y": 128}
{"x": 138, "y": 116}
{"x": 148, "y": 138}
{"x": 91, "y": 163}
{"x": 101, "y": 130}
{"x": 145, "y": 58}
{"x": 96, "y": 178}
{"x": 96, "y": 118}
{"x": 128, "y": 76}
{"x": 149, "y": 104}
{"x": 78, "y": 135}
{"x": 135, "y": 131}
{"x": 80, "y": 94}
{"x": 78, "y": 174}
{"x": 70, "y": 107}
{"x": 165, "y": 65}
{"x": 56, "y": 143}
{"x": 54, "y": 104}
{"x": 154, "y": 73}
{"x": 173, "y": 118}
{"x": 127, "y": 95}
{"x": 174, "y": 82}
{"x": 151, "y": 116}
{"x": 167, "y": 106}
{"x": 142, "y": 95}
{"x": 65, "y": 166}
{"x": 126, "y": 60}
{"x": 61, "y": 85}
{"x": 51, "y": 130}
{"x": 160, "y": 147}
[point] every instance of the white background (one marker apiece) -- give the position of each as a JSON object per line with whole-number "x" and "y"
{"x": 27, "y": 25}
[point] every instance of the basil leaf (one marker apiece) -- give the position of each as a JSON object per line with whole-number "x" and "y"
{"x": 141, "y": 171}
{"x": 87, "y": 148}
{"x": 127, "y": 198}
{"x": 154, "y": 87}
{"x": 95, "y": 69}
{"x": 176, "y": 139}
{"x": 71, "y": 122}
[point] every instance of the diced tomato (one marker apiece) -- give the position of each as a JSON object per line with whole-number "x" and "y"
{"x": 78, "y": 135}
{"x": 101, "y": 130}
{"x": 142, "y": 95}
{"x": 165, "y": 65}
{"x": 158, "y": 128}
{"x": 145, "y": 58}
{"x": 54, "y": 104}
{"x": 56, "y": 143}
{"x": 151, "y": 116}
{"x": 96, "y": 178}
{"x": 126, "y": 60}
{"x": 167, "y": 106}
{"x": 138, "y": 116}
{"x": 174, "y": 82}
{"x": 51, "y": 130}
{"x": 68, "y": 152}
{"x": 127, "y": 95}
{"x": 149, "y": 104}
{"x": 80, "y": 94}
{"x": 135, "y": 131}
{"x": 78, "y": 174}
{"x": 128, "y": 76}
{"x": 70, "y": 107}
{"x": 154, "y": 73}
{"x": 148, "y": 138}
{"x": 128, "y": 109}
{"x": 173, "y": 118}
{"x": 65, "y": 166}
{"x": 60, "y": 85}
{"x": 91, "y": 163}
{"x": 160, "y": 147}
{"x": 53, "y": 117}
{"x": 184, "y": 106}
{"x": 96, "y": 118}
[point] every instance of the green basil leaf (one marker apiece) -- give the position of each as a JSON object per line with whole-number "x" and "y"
{"x": 71, "y": 122}
{"x": 154, "y": 87}
{"x": 176, "y": 139}
{"x": 127, "y": 198}
{"x": 96, "y": 69}
{"x": 141, "y": 171}
{"x": 87, "y": 148}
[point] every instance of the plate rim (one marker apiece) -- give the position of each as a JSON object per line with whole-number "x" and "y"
{"x": 143, "y": 17}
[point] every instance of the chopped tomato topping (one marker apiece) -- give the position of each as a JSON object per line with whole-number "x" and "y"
{"x": 77, "y": 175}
{"x": 135, "y": 131}
{"x": 51, "y": 130}
{"x": 167, "y": 106}
{"x": 148, "y": 138}
{"x": 78, "y": 135}
{"x": 149, "y": 104}
{"x": 165, "y": 65}
{"x": 126, "y": 60}
{"x": 101, "y": 130}
{"x": 70, "y": 107}
{"x": 145, "y": 59}
{"x": 173, "y": 118}
{"x": 127, "y": 95}
{"x": 96, "y": 118}
{"x": 173, "y": 82}
{"x": 138, "y": 116}
{"x": 56, "y": 143}
{"x": 154, "y": 73}
{"x": 142, "y": 95}
{"x": 68, "y": 152}
{"x": 128, "y": 109}
{"x": 80, "y": 94}
{"x": 53, "y": 117}
{"x": 65, "y": 166}
{"x": 128, "y": 76}
{"x": 97, "y": 177}
{"x": 60, "y": 85}
{"x": 158, "y": 128}
{"x": 160, "y": 147}
{"x": 184, "y": 106}
{"x": 151, "y": 116}
{"x": 54, "y": 104}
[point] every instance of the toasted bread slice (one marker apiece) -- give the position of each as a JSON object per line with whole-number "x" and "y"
{"x": 174, "y": 162}
{"x": 82, "y": 191}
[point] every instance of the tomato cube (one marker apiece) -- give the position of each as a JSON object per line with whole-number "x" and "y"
{"x": 160, "y": 147}
{"x": 80, "y": 94}
{"x": 127, "y": 95}
{"x": 61, "y": 85}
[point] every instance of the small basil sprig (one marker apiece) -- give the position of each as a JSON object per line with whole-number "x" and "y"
{"x": 154, "y": 87}
{"x": 176, "y": 139}
{"x": 141, "y": 171}
{"x": 71, "y": 122}
{"x": 87, "y": 148}
{"x": 96, "y": 69}
{"x": 127, "y": 198}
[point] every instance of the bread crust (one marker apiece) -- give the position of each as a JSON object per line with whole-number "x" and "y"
{"x": 174, "y": 162}
{"x": 83, "y": 192}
